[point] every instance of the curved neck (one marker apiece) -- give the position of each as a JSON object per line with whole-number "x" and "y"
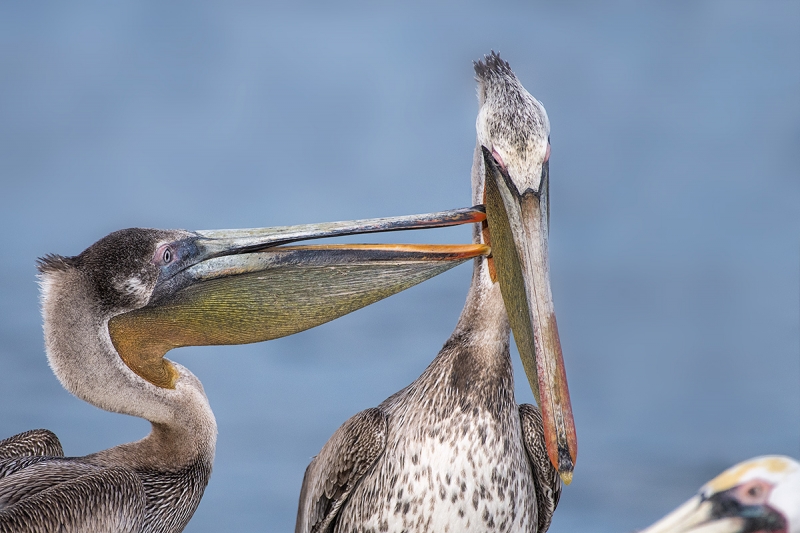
{"x": 83, "y": 358}
{"x": 166, "y": 448}
{"x": 483, "y": 322}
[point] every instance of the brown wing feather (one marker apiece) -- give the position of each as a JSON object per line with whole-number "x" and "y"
{"x": 342, "y": 462}
{"x": 36, "y": 442}
{"x": 27, "y": 476}
{"x": 110, "y": 499}
{"x": 545, "y": 476}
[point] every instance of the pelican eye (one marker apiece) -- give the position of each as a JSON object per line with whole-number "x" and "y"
{"x": 754, "y": 492}
{"x": 164, "y": 255}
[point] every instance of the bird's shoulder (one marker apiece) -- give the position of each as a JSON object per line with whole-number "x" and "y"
{"x": 335, "y": 471}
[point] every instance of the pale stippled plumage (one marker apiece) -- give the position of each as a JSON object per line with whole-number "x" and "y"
{"x": 452, "y": 451}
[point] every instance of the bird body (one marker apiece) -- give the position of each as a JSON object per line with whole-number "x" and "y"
{"x": 442, "y": 436}
{"x": 452, "y": 451}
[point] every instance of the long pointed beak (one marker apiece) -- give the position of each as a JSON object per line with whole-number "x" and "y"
{"x": 696, "y": 516}
{"x": 518, "y": 231}
{"x": 228, "y": 242}
{"x": 241, "y": 287}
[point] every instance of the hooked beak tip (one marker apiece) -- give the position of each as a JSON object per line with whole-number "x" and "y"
{"x": 564, "y": 463}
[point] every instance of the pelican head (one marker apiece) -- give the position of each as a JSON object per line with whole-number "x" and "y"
{"x": 513, "y": 135}
{"x": 112, "y": 312}
{"x": 759, "y": 495}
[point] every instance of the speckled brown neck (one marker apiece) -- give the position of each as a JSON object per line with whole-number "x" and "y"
{"x": 474, "y": 362}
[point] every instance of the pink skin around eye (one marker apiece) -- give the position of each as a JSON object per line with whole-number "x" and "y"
{"x": 158, "y": 257}
{"x": 498, "y": 159}
{"x": 547, "y": 154}
{"x": 755, "y": 492}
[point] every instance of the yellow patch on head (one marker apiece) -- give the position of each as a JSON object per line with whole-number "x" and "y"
{"x": 737, "y": 474}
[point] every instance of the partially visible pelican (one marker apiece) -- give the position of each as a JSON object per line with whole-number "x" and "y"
{"x": 453, "y": 451}
{"x": 761, "y": 495}
{"x": 112, "y": 312}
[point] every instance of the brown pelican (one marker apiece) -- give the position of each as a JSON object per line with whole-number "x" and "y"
{"x": 453, "y": 451}
{"x": 761, "y": 495}
{"x": 112, "y": 312}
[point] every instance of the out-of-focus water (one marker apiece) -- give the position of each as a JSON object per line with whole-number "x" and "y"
{"x": 675, "y": 196}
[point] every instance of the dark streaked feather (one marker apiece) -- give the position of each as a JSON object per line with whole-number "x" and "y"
{"x": 106, "y": 500}
{"x": 36, "y": 442}
{"x": 332, "y": 475}
{"x": 78, "y": 495}
{"x": 545, "y": 476}
{"x": 492, "y": 65}
{"x": 54, "y": 263}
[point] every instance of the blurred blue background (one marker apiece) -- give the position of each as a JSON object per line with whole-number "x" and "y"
{"x": 675, "y": 220}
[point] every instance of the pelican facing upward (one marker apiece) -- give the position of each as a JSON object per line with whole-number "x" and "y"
{"x": 112, "y": 312}
{"x": 453, "y": 451}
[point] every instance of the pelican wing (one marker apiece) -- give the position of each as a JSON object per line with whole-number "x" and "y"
{"x": 69, "y": 496}
{"x": 343, "y": 461}
{"x": 545, "y": 476}
{"x": 36, "y": 442}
